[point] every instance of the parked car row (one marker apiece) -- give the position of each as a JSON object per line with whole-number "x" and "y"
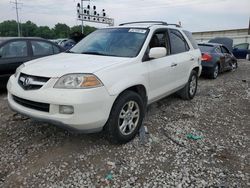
{"x": 65, "y": 43}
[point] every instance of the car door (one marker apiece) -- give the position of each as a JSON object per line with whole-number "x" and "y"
{"x": 227, "y": 58}
{"x": 13, "y": 54}
{"x": 241, "y": 50}
{"x": 42, "y": 48}
{"x": 181, "y": 56}
{"x": 162, "y": 73}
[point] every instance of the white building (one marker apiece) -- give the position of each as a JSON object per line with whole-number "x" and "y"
{"x": 238, "y": 35}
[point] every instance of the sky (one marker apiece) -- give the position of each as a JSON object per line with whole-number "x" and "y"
{"x": 195, "y": 15}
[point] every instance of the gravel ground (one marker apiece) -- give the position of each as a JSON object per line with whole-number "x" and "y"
{"x": 200, "y": 143}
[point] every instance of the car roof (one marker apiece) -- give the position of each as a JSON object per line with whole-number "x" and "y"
{"x": 148, "y": 25}
{"x": 11, "y": 38}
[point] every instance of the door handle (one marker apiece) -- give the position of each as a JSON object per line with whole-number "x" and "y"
{"x": 173, "y": 64}
{"x": 192, "y": 59}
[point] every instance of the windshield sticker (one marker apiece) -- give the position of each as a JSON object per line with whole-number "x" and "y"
{"x": 143, "y": 31}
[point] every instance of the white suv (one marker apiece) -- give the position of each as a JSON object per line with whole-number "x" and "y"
{"x": 107, "y": 80}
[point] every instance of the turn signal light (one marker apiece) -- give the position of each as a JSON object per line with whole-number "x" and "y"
{"x": 206, "y": 57}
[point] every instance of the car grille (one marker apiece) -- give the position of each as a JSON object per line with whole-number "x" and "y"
{"x": 29, "y": 82}
{"x": 31, "y": 104}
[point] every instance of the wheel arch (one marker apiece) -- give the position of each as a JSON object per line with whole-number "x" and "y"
{"x": 139, "y": 89}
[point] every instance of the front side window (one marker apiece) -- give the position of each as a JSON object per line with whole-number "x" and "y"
{"x": 178, "y": 42}
{"x": 14, "y": 49}
{"x": 120, "y": 42}
{"x": 41, "y": 48}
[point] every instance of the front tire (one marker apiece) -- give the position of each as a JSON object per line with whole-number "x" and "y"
{"x": 234, "y": 65}
{"x": 189, "y": 91}
{"x": 125, "y": 118}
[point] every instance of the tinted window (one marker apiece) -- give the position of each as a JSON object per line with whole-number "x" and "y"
{"x": 224, "y": 50}
{"x": 14, "y": 49}
{"x": 191, "y": 39}
{"x": 178, "y": 43}
{"x": 41, "y": 48}
{"x": 205, "y": 48}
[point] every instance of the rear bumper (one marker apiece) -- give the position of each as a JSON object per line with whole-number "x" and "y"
{"x": 207, "y": 68}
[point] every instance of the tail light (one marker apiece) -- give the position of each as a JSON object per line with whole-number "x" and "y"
{"x": 206, "y": 57}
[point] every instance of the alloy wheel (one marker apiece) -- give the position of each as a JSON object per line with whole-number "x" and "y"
{"x": 129, "y": 117}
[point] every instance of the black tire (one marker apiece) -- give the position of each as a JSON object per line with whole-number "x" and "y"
{"x": 215, "y": 72}
{"x": 112, "y": 127}
{"x": 185, "y": 93}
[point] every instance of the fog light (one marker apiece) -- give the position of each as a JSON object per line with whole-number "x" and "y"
{"x": 65, "y": 109}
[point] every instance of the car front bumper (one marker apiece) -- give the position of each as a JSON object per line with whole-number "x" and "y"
{"x": 91, "y": 106}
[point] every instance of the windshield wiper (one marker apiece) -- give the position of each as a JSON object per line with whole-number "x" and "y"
{"x": 95, "y": 53}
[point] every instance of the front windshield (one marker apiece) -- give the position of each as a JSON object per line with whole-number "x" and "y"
{"x": 120, "y": 42}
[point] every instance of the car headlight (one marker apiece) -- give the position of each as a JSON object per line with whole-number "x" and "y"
{"x": 18, "y": 70}
{"x": 78, "y": 81}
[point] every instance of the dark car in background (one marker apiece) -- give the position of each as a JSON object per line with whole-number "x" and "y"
{"x": 242, "y": 51}
{"x": 216, "y": 58}
{"x": 16, "y": 50}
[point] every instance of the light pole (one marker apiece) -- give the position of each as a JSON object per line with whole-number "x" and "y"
{"x": 90, "y": 14}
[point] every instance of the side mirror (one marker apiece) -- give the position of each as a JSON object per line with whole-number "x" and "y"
{"x": 157, "y": 52}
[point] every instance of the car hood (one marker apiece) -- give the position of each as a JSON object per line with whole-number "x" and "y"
{"x": 65, "y": 63}
{"x": 228, "y": 42}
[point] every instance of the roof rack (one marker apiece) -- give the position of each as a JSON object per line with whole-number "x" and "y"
{"x": 153, "y": 22}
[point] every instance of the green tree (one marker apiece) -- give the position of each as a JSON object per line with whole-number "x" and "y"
{"x": 86, "y": 29}
{"x": 45, "y": 32}
{"x": 61, "y": 30}
{"x": 8, "y": 28}
{"x": 29, "y": 29}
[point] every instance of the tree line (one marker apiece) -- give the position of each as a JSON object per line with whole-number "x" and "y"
{"x": 29, "y": 29}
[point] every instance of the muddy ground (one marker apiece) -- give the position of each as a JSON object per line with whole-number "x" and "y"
{"x": 40, "y": 155}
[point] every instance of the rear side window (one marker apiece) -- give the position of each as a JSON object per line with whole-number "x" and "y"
{"x": 14, "y": 49}
{"x": 41, "y": 48}
{"x": 178, "y": 42}
{"x": 191, "y": 39}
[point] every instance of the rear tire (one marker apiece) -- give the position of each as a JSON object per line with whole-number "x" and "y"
{"x": 189, "y": 91}
{"x": 125, "y": 118}
{"x": 215, "y": 72}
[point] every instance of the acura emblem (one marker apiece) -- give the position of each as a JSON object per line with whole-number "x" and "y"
{"x": 26, "y": 82}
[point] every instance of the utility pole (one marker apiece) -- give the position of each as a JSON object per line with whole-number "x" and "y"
{"x": 17, "y": 16}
